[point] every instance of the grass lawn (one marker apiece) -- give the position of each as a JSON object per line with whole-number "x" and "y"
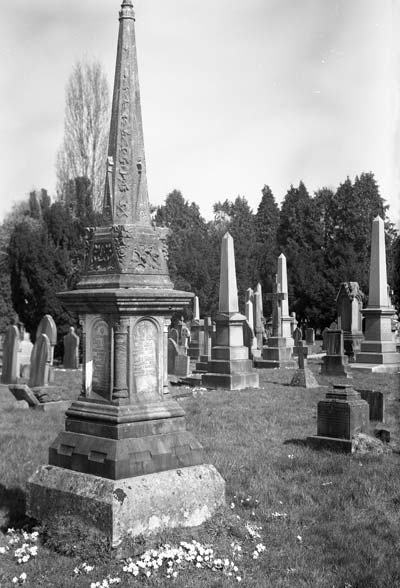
{"x": 326, "y": 520}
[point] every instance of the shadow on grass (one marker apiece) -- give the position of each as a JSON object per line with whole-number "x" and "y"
{"x": 298, "y": 442}
{"x": 12, "y": 509}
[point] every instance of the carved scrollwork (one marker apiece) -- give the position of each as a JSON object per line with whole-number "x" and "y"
{"x": 145, "y": 257}
{"x": 102, "y": 258}
{"x": 122, "y": 238}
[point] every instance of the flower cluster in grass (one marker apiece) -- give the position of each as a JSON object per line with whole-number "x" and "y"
{"x": 167, "y": 559}
{"x": 174, "y": 559}
{"x": 24, "y": 546}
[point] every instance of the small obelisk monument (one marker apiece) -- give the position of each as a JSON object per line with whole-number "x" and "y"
{"x": 378, "y": 350}
{"x": 230, "y": 366}
{"x": 125, "y": 464}
{"x": 279, "y": 349}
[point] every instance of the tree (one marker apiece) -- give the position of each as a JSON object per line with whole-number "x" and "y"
{"x": 45, "y": 256}
{"x": 189, "y": 248}
{"x": 238, "y": 218}
{"x": 348, "y": 229}
{"x": 266, "y": 227}
{"x": 395, "y": 273}
{"x": 83, "y": 151}
{"x": 301, "y": 239}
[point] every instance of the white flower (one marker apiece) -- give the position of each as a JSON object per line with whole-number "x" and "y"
{"x": 239, "y": 578}
{"x": 299, "y": 538}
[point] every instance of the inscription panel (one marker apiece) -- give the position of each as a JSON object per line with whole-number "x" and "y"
{"x": 100, "y": 339}
{"x": 145, "y": 369}
{"x": 334, "y": 420}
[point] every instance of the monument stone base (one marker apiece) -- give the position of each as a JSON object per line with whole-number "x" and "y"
{"x": 276, "y": 354}
{"x": 304, "y": 378}
{"x": 117, "y": 509}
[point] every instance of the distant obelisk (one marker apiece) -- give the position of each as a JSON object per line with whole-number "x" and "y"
{"x": 229, "y": 366}
{"x": 125, "y": 464}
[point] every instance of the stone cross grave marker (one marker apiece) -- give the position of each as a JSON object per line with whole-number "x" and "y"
{"x": 9, "y": 374}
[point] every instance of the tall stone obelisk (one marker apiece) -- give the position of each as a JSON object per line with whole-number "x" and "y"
{"x": 378, "y": 350}
{"x": 125, "y": 463}
{"x": 230, "y": 366}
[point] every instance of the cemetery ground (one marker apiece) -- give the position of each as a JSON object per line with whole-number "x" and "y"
{"x": 294, "y": 516}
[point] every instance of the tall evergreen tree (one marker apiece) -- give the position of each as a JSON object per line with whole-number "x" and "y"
{"x": 301, "y": 239}
{"x": 238, "y": 218}
{"x": 267, "y": 251}
{"x": 189, "y": 248}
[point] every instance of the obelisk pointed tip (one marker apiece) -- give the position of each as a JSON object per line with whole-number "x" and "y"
{"x": 378, "y": 218}
{"x": 227, "y": 236}
{"x": 282, "y": 256}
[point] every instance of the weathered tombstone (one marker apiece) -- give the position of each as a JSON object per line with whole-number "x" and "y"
{"x": 249, "y": 338}
{"x": 303, "y": 376}
{"x": 40, "y": 362}
{"x": 25, "y": 356}
{"x": 173, "y": 351}
{"x": 279, "y": 349}
{"x": 335, "y": 362}
{"x": 310, "y": 336}
{"x": 174, "y": 335}
{"x": 182, "y": 365}
{"x": 376, "y": 403}
{"x": 341, "y": 415}
{"x": 348, "y": 306}
{"x": 378, "y": 350}
{"x": 125, "y": 464}
{"x": 10, "y": 369}
{"x": 297, "y": 336}
{"x": 230, "y": 366}
{"x": 71, "y": 350}
{"x": 47, "y": 327}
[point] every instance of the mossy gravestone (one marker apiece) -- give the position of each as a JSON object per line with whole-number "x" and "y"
{"x": 71, "y": 350}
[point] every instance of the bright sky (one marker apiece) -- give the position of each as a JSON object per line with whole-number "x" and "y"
{"x": 235, "y": 94}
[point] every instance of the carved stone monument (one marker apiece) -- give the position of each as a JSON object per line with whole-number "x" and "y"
{"x": 125, "y": 464}
{"x": 10, "y": 368}
{"x": 303, "y": 376}
{"x": 378, "y": 350}
{"x": 196, "y": 332}
{"x": 279, "y": 349}
{"x": 335, "y": 362}
{"x": 341, "y": 415}
{"x": 349, "y": 306}
{"x": 230, "y": 366}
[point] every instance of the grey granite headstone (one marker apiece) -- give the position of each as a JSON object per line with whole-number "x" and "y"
{"x": 71, "y": 350}
{"x": 40, "y": 362}
{"x": 9, "y": 374}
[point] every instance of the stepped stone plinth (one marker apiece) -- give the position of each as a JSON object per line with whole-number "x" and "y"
{"x": 125, "y": 463}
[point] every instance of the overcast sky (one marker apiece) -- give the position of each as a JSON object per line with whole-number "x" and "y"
{"x": 235, "y": 94}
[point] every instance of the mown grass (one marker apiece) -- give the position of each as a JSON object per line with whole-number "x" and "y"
{"x": 328, "y": 520}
